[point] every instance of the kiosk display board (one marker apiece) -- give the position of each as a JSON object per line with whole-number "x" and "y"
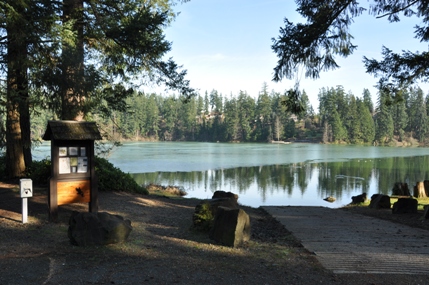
{"x": 72, "y": 174}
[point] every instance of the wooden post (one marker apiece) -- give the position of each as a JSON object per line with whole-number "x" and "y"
{"x": 53, "y": 200}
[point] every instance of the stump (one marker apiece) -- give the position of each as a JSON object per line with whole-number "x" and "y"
{"x": 231, "y": 227}
{"x": 400, "y": 189}
{"x": 419, "y": 190}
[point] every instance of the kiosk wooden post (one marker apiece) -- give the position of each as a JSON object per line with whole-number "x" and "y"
{"x": 73, "y": 177}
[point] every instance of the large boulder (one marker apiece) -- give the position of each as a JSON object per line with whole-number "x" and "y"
{"x": 205, "y": 211}
{"x": 97, "y": 228}
{"x": 231, "y": 227}
{"x": 380, "y": 201}
{"x": 405, "y": 205}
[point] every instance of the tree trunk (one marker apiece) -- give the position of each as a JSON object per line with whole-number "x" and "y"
{"x": 15, "y": 165}
{"x": 73, "y": 91}
{"x": 16, "y": 99}
{"x": 24, "y": 119}
{"x": 419, "y": 190}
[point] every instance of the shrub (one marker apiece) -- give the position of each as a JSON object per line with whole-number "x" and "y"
{"x": 203, "y": 217}
{"x": 111, "y": 178}
{"x": 39, "y": 172}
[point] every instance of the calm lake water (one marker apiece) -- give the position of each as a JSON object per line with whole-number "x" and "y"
{"x": 271, "y": 174}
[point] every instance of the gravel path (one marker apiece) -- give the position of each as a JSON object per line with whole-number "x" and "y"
{"x": 161, "y": 249}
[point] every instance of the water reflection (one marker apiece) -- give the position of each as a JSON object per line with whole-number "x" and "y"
{"x": 298, "y": 183}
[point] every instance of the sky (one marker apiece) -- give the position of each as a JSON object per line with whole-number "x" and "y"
{"x": 225, "y": 45}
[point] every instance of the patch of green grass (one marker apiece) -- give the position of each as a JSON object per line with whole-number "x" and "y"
{"x": 420, "y": 201}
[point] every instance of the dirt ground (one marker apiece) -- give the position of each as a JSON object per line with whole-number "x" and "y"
{"x": 162, "y": 248}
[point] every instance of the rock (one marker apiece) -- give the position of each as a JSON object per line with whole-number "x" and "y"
{"x": 206, "y": 211}
{"x": 231, "y": 227}
{"x": 359, "y": 198}
{"x": 222, "y": 194}
{"x": 401, "y": 189}
{"x": 405, "y": 205}
{"x": 330, "y": 199}
{"x": 97, "y": 228}
{"x": 380, "y": 201}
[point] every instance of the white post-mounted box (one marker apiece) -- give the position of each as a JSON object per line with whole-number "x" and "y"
{"x": 26, "y": 188}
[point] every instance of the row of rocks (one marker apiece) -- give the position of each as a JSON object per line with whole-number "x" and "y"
{"x": 381, "y": 201}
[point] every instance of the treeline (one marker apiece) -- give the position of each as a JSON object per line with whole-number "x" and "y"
{"x": 342, "y": 118}
{"x": 350, "y": 119}
{"x": 209, "y": 117}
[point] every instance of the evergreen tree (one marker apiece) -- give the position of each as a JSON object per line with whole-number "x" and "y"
{"x": 280, "y": 113}
{"x": 427, "y": 104}
{"x": 418, "y": 119}
{"x": 383, "y": 120}
{"x": 246, "y": 114}
{"x": 206, "y": 103}
{"x": 305, "y": 101}
{"x": 169, "y": 112}
{"x": 263, "y": 114}
{"x": 25, "y": 29}
{"x": 216, "y": 102}
{"x": 290, "y": 129}
{"x": 333, "y": 108}
{"x": 339, "y": 132}
{"x": 187, "y": 115}
{"x": 232, "y": 121}
{"x": 400, "y": 118}
{"x": 352, "y": 122}
{"x": 367, "y": 100}
{"x": 152, "y": 117}
{"x": 366, "y": 122}
{"x": 84, "y": 46}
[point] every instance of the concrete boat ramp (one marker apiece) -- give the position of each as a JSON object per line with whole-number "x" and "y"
{"x": 351, "y": 243}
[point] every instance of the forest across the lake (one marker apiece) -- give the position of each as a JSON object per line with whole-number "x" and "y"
{"x": 341, "y": 118}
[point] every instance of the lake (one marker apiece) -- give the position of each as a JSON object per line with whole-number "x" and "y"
{"x": 295, "y": 174}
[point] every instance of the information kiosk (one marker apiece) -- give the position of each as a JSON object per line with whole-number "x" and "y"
{"x": 72, "y": 164}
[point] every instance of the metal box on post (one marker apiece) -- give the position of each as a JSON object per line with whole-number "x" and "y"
{"x": 72, "y": 164}
{"x": 26, "y": 188}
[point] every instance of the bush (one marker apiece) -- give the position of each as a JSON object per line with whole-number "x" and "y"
{"x": 203, "y": 217}
{"x": 39, "y": 172}
{"x": 111, "y": 178}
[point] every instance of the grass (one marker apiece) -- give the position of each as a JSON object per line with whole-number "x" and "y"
{"x": 421, "y": 202}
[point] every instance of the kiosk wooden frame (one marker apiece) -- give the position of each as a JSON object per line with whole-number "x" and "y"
{"x": 73, "y": 177}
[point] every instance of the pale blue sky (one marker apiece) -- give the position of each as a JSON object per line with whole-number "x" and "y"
{"x": 226, "y": 45}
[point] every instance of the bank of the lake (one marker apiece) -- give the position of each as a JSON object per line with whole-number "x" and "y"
{"x": 271, "y": 174}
